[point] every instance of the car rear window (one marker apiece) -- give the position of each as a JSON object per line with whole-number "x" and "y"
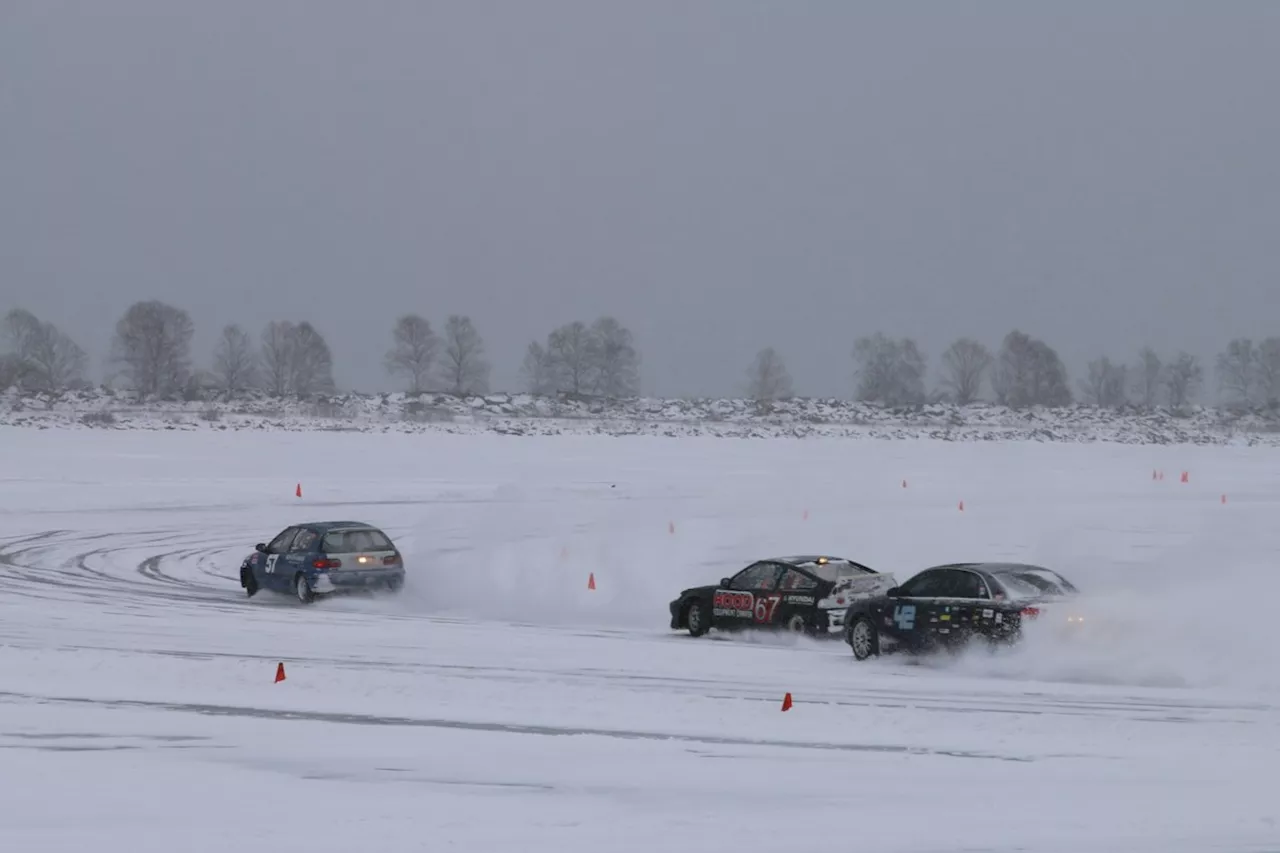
{"x": 834, "y": 570}
{"x": 1019, "y": 588}
{"x": 353, "y": 539}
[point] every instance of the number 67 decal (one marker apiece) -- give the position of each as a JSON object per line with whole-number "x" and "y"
{"x": 765, "y": 607}
{"x": 271, "y": 562}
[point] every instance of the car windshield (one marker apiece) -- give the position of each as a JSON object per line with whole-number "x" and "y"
{"x": 835, "y": 570}
{"x": 352, "y": 539}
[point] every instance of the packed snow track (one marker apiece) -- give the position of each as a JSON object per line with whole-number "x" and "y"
{"x": 499, "y": 704}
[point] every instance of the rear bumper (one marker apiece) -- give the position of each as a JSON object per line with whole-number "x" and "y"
{"x": 834, "y": 618}
{"x": 674, "y": 607}
{"x": 351, "y": 581}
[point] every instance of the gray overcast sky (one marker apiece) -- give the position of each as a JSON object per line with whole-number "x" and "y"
{"x": 718, "y": 175}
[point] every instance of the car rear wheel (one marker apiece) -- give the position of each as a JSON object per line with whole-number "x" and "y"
{"x": 797, "y": 625}
{"x": 303, "y": 589}
{"x": 695, "y": 618}
{"x": 863, "y": 639}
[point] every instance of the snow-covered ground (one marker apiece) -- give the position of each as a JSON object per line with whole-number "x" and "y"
{"x": 499, "y": 704}
{"x": 527, "y": 415}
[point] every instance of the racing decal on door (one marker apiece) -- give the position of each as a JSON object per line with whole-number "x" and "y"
{"x": 271, "y": 562}
{"x": 904, "y": 616}
{"x": 739, "y": 604}
{"x": 765, "y": 607}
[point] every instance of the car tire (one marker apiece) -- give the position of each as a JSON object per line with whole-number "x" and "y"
{"x": 302, "y": 589}
{"x": 395, "y": 586}
{"x": 797, "y": 625}
{"x": 863, "y": 638}
{"x": 248, "y": 581}
{"x": 696, "y": 618}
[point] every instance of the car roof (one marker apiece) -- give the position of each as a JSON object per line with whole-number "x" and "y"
{"x": 996, "y": 568}
{"x": 806, "y": 560}
{"x": 325, "y": 526}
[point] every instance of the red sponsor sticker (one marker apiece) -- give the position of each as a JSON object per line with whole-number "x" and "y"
{"x": 734, "y": 600}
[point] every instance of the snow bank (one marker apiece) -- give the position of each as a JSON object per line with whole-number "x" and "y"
{"x": 524, "y": 414}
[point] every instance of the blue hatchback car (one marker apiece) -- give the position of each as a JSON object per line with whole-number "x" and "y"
{"x": 322, "y": 558}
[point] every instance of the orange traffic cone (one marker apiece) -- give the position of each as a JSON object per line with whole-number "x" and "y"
{"x": 298, "y": 491}
{"x": 591, "y": 581}
{"x": 1186, "y": 478}
{"x": 962, "y": 506}
{"x": 279, "y": 673}
{"x": 786, "y": 702}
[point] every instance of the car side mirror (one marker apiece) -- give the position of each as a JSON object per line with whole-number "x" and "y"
{"x": 261, "y": 548}
{"x": 894, "y": 592}
{"x": 724, "y": 581}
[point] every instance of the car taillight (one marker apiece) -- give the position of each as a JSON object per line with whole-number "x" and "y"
{"x": 393, "y": 560}
{"x": 1030, "y": 612}
{"x": 326, "y": 564}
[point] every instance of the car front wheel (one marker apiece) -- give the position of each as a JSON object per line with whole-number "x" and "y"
{"x": 863, "y": 639}
{"x": 248, "y": 581}
{"x": 695, "y": 618}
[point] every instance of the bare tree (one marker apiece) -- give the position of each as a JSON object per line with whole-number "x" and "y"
{"x": 768, "y": 380}
{"x": 153, "y": 345}
{"x": 413, "y": 353}
{"x": 617, "y": 363}
{"x": 311, "y": 362}
{"x": 52, "y": 361}
{"x": 1029, "y": 372}
{"x": 1148, "y": 378}
{"x": 1238, "y": 372}
{"x": 1267, "y": 358}
{"x": 965, "y": 365}
{"x": 277, "y": 356}
{"x": 538, "y": 371}
{"x": 465, "y": 368}
{"x": 889, "y": 372}
{"x": 12, "y": 371}
{"x": 1182, "y": 379}
{"x": 1107, "y": 384}
{"x": 235, "y": 367}
{"x": 571, "y": 350}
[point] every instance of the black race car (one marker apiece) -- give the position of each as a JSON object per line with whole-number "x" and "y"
{"x": 807, "y": 594}
{"x": 945, "y": 607}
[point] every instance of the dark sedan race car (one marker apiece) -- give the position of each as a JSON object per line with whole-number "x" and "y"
{"x": 946, "y": 607}
{"x": 805, "y": 594}
{"x": 323, "y": 558}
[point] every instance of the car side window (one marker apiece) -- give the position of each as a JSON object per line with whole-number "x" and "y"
{"x": 793, "y": 580}
{"x": 756, "y": 578}
{"x": 927, "y": 584}
{"x": 304, "y": 543}
{"x": 967, "y": 585}
{"x": 281, "y": 543}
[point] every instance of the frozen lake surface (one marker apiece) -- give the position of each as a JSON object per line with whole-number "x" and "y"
{"x": 499, "y": 704}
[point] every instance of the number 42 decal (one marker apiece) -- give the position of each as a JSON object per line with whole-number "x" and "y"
{"x": 765, "y": 606}
{"x": 271, "y": 562}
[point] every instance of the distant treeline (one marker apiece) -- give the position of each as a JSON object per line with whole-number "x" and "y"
{"x": 151, "y": 354}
